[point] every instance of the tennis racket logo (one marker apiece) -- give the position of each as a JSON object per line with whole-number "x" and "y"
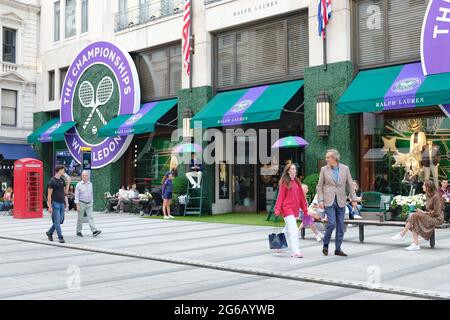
{"x": 103, "y": 94}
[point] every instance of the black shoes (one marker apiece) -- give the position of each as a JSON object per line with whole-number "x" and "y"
{"x": 61, "y": 240}
{"x": 96, "y": 233}
{"x": 340, "y": 253}
{"x": 325, "y": 251}
{"x": 79, "y": 234}
{"x": 49, "y": 236}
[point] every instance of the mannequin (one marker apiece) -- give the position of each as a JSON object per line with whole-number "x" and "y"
{"x": 430, "y": 161}
{"x": 418, "y": 140}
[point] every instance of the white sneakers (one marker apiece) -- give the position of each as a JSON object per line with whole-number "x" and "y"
{"x": 397, "y": 237}
{"x": 319, "y": 236}
{"x": 413, "y": 247}
{"x": 171, "y": 216}
{"x": 166, "y": 217}
{"x": 357, "y": 217}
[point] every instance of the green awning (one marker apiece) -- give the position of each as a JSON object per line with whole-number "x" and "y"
{"x": 392, "y": 88}
{"x": 243, "y": 106}
{"x": 52, "y": 130}
{"x": 141, "y": 122}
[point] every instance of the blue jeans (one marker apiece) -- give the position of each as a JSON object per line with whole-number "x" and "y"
{"x": 57, "y": 218}
{"x": 335, "y": 215}
{"x": 5, "y": 205}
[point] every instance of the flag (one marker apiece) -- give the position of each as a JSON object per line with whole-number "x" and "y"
{"x": 323, "y": 15}
{"x": 186, "y": 34}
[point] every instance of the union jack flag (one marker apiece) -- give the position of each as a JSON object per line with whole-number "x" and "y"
{"x": 186, "y": 37}
{"x": 324, "y": 15}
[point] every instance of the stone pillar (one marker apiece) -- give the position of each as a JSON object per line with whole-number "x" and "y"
{"x": 343, "y": 128}
{"x": 195, "y": 99}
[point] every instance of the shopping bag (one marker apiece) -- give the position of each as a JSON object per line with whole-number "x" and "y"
{"x": 277, "y": 241}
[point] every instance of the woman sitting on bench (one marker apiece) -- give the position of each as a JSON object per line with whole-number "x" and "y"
{"x": 423, "y": 222}
{"x": 313, "y": 215}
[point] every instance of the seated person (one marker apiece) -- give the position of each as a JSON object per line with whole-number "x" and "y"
{"x": 195, "y": 170}
{"x": 7, "y": 199}
{"x": 71, "y": 197}
{"x": 122, "y": 198}
{"x": 444, "y": 191}
{"x": 308, "y": 221}
{"x": 354, "y": 213}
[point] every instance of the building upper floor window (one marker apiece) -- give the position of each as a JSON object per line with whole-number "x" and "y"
{"x": 388, "y": 31}
{"x": 62, "y": 77}
{"x": 84, "y": 16}
{"x": 56, "y": 20}
{"x": 9, "y": 45}
{"x": 9, "y": 107}
{"x": 273, "y": 51}
{"x": 71, "y": 6}
{"x": 159, "y": 72}
{"x": 51, "y": 85}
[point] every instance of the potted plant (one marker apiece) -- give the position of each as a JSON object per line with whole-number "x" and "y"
{"x": 179, "y": 195}
{"x": 404, "y": 205}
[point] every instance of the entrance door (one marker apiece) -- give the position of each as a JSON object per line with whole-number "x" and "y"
{"x": 244, "y": 188}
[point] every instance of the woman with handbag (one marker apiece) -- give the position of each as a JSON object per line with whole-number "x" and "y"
{"x": 289, "y": 202}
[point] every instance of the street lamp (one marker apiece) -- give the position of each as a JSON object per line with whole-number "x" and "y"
{"x": 187, "y": 131}
{"x": 323, "y": 114}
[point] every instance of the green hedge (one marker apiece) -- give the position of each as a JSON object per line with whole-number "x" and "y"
{"x": 311, "y": 181}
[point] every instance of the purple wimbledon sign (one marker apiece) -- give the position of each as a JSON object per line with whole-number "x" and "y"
{"x": 101, "y": 83}
{"x": 435, "y": 44}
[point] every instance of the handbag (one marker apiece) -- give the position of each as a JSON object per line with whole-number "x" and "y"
{"x": 277, "y": 240}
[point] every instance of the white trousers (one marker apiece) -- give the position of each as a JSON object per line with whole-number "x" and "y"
{"x": 291, "y": 232}
{"x": 196, "y": 174}
{"x": 434, "y": 170}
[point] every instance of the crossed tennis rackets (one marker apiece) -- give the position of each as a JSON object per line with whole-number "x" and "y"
{"x": 104, "y": 92}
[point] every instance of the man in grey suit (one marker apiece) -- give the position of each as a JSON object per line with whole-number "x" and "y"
{"x": 332, "y": 195}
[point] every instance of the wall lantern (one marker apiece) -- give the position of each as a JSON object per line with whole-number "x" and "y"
{"x": 187, "y": 131}
{"x": 323, "y": 114}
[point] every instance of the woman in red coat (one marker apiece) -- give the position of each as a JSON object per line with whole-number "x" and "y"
{"x": 289, "y": 202}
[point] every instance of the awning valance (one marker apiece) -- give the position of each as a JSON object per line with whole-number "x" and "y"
{"x": 392, "y": 88}
{"x": 141, "y": 122}
{"x": 52, "y": 130}
{"x": 17, "y": 151}
{"x": 243, "y": 106}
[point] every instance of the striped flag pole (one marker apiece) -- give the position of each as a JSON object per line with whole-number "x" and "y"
{"x": 186, "y": 39}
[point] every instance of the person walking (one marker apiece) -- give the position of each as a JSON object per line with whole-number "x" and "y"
{"x": 423, "y": 222}
{"x": 56, "y": 203}
{"x": 84, "y": 200}
{"x": 334, "y": 178}
{"x": 167, "y": 188}
{"x": 289, "y": 202}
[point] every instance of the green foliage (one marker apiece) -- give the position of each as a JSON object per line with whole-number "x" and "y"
{"x": 311, "y": 181}
{"x": 180, "y": 185}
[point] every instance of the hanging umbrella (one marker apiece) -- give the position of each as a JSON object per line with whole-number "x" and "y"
{"x": 187, "y": 148}
{"x": 290, "y": 142}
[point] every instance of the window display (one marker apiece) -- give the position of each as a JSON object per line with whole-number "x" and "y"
{"x": 63, "y": 157}
{"x": 399, "y": 154}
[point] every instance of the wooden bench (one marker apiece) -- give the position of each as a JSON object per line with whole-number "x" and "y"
{"x": 362, "y": 223}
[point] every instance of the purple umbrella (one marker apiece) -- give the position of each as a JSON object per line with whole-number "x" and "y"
{"x": 187, "y": 148}
{"x": 290, "y": 142}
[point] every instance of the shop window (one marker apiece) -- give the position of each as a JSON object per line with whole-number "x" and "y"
{"x": 274, "y": 51}
{"x": 396, "y": 151}
{"x": 84, "y": 16}
{"x": 388, "y": 31}
{"x": 9, "y": 107}
{"x": 63, "y": 157}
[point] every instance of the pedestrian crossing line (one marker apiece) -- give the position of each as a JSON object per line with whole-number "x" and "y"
{"x": 359, "y": 285}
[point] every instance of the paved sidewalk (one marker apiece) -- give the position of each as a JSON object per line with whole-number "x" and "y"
{"x": 35, "y": 271}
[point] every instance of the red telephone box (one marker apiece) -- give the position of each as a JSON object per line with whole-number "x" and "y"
{"x": 28, "y": 185}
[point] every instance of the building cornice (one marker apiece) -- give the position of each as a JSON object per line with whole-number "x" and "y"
{"x": 23, "y": 6}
